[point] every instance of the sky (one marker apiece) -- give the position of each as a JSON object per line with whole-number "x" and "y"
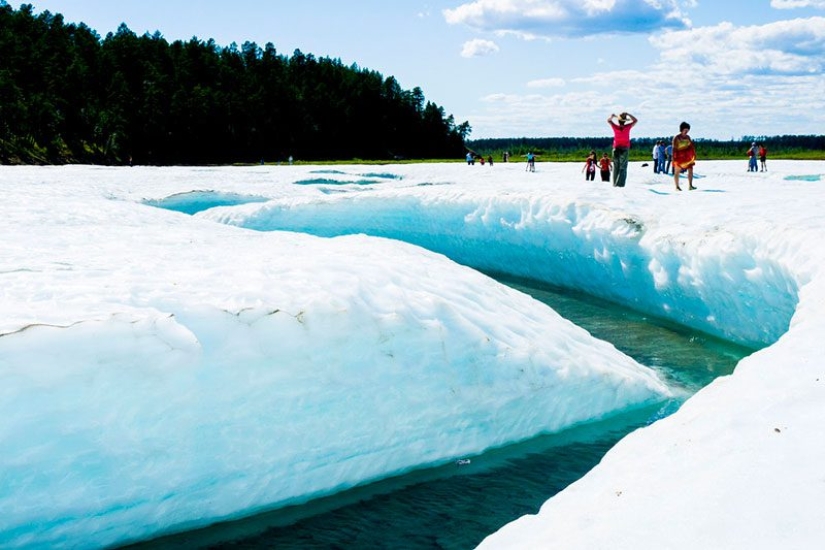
{"x": 540, "y": 68}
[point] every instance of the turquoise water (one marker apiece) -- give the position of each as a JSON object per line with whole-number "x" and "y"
{"x": 456, "y": 506}
{"x": 193, "y": 202}
{"x": 684, "y": 357}
{"x": 807, "y": 177}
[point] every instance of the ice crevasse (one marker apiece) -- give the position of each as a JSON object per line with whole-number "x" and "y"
{"x": 160, "y": 372}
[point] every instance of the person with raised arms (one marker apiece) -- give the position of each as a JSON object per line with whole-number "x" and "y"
{"x": 621, "y": 145}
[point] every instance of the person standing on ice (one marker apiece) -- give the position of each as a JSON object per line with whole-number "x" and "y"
{"x": 763, "y": 155}
{"x": 589, "y": 167}
{"x": 655, "y": 154}
{"x": 604, "y": 167}
{"x": 621, "y": 145}
{"x": 661, "y": 150}
{"x": 684, "y": 155}
{"x": 753, "y": 153}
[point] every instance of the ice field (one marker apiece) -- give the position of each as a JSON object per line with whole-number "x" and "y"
{"x": 180, "y": 346}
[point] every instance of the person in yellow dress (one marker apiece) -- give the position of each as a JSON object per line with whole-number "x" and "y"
{"x": 684, "y": 155}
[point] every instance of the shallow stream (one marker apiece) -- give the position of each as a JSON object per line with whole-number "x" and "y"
{"x": 455, "y": 506}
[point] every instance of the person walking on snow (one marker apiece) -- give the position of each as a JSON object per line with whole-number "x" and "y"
{"x": 684, "y": 155}
{"x": 531, "y": 162}
{"x": 604, "y": 167}
{"x": 589, "y": 168}
{"x": 621, "y": 145}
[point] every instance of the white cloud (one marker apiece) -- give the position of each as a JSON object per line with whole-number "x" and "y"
{"x": 790, "y": 4}
{"x": 546, "y": 83}
{"x": 725, "y": 80}
{"x": 478, "y": 48}
{"x": 569, "y": 18}
{"x": 794, "y": 47}
{"x": 563, "y": 114}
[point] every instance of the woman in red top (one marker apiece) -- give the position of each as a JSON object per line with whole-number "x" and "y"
{"x": 621, "y": 145}
{"x": 684, "y": 155}
{"x": 589, "y": 168}
{"x": 604, "y": 167}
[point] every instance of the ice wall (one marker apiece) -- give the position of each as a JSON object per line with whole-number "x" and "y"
{"x": 159, "y": 372}
{"x": 728, "y": 283}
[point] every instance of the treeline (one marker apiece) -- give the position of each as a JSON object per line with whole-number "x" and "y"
{"x": 68, "y": 96}
{"x": 564, "y": 149}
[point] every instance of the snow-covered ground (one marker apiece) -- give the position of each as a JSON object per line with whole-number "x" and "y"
{"x": 160, "y": 371}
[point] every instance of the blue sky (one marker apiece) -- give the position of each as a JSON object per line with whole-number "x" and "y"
{"x": 539, "y": 68}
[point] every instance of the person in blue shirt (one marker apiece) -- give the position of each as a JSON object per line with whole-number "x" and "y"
{"x": 753, "y": 154}
{"x": 660, "y": 156}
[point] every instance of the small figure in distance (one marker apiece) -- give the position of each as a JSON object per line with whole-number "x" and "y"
{"x": 655, "y": 154}
{"x": 753, "y": 154}
{"x": 684, "y": 155}
{"x": 531, "y": 162}
{"x": 621, "y": 145}
{"x": 763, "y": 155}
{"x": 589, "y": 167}
{"x": 662, "y": 157}
{"x": 604, "y": 167}
{"x": 490, "y": 159}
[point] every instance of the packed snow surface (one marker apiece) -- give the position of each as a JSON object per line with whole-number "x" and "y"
{"x": 275, "y": 333}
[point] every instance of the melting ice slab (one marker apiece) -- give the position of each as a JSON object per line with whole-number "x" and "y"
{"x": 160, "y": 372}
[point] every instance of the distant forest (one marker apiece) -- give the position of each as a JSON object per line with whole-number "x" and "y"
{"x": 565, "y": 149}
{"x": 68, "y": 96}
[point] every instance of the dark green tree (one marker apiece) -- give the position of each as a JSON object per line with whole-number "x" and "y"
{"x": 66, "y": 95}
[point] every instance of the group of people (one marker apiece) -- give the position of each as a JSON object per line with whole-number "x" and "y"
{"x": 757, "y": 150}
{"x": 471, "y": 159}
{"x": 591, "y": 164}
{"x": 683, "y": 152}
{"x": 662, "y": 157}
{"x": 678, "y": 156}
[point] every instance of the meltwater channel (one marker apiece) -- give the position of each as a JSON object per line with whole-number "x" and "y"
{"x": 453, "y": 507}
